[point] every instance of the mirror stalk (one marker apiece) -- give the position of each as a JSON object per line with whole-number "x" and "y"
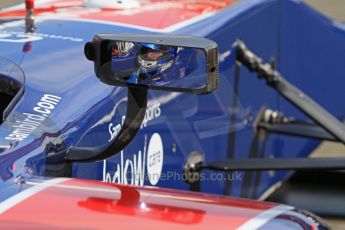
{"x": 136, "y": 109}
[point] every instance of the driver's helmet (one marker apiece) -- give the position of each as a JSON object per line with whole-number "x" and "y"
{"x": 154, "y": 59}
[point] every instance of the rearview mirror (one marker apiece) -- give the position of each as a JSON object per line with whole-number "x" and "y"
{"x": 170, "y": 63}
{"x": 142, "y": 62}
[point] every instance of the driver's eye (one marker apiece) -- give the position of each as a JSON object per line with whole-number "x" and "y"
{"x": 154, "y": 55}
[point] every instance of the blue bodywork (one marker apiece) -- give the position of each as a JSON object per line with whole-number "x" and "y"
{"x": 309, "y": 51}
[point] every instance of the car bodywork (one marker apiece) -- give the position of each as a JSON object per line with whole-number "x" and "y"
{"x": 83, "y": 204}
{"x": 68, "y": 106}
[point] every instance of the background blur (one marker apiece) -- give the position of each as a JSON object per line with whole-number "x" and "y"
{"x": 332, "y": 8}
{"x": 4, "y": 3}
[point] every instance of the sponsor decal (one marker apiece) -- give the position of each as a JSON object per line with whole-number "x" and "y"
{"x": 31, "y": 121}
{"x": 152, "y": 112}
{"x": 22, "y": 37}
{"x": 148, "y": 161}
{"x": 155, "y": 158}
{"x": 115, "y": 129}
{"x": 133, "y": 171}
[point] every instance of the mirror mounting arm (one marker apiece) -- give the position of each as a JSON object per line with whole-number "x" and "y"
{"x": 136, "y": 108}
{"x": 290, "y": 92}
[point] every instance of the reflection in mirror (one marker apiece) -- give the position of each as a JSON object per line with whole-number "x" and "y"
{"x": 158, "y": 65}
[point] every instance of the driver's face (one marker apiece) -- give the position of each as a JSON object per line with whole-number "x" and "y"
{"x": 154, "y": 55}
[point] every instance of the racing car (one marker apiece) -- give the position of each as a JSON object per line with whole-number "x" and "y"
{"x": 101, "y": 100}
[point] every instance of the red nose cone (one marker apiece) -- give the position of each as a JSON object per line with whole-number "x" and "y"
{"x": 30, "y": 4}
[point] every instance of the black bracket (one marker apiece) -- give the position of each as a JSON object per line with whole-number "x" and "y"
{"x": 276, "y": 122}
{"x": 290, "y": 92}
{"x": 136, "y": 108}
{"x": 195, "y": 165}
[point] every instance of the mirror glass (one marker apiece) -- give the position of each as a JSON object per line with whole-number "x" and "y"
{"x": 157, "y": 65}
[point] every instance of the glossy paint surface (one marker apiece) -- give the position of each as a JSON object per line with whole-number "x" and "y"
{"x": 62, "y": 203}
{"x": 218, "y": 125}
{"x": 151, "y": 15}
{"x": 90, "y": 205}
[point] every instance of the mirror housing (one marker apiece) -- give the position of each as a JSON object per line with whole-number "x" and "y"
{"x": 171, "y": 63}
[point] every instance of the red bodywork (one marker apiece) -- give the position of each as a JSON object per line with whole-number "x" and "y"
{"x": 166, "y": 13}
{"x": 81, "y": 204}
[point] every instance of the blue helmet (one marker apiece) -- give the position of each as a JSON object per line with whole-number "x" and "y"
{"x": 154, "y": 59}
